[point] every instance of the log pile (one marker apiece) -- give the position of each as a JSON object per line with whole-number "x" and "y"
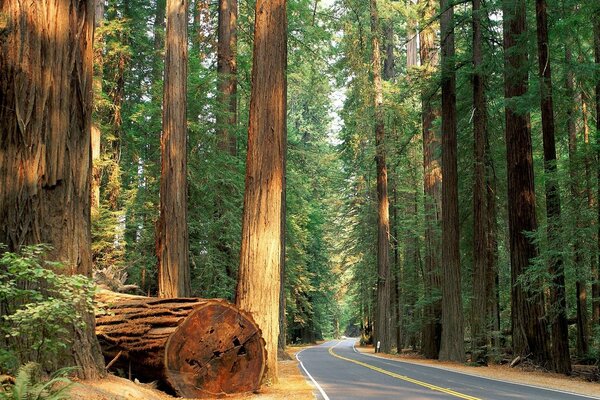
{"x": 198, "y": 347}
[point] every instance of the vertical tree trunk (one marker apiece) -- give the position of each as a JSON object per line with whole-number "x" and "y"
{"x": 596, "y": 273}
{"x": 561, "y": 359}
{"x": 452, "y": 344}
{"x": 580, "y": 284}
{"x": 172, "y": 231}
{"x": 432, "y": 182}
{"x": 46, "y": 63}
{"x": 382, "y": 328}
{"x": 226, "y": 117}
{"x": 261, "y": 247}
{"x": 527, "y": 304}
{"x": 389, "y": 73}
{"x": 479, "y": 328}
{"x": 492, "y": 276}
{"x": 96, "y": 134}
{"x": 227, "y": 75}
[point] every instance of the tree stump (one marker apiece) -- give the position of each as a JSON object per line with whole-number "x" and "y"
{"x": 198, "y": 347}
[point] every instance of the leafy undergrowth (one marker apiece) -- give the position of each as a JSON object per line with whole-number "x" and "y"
{"x": 291, "y": 385}
{"x": 504, "y": 372}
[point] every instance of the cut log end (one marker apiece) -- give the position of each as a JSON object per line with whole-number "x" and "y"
{"x": 216, "y": 350}
{"x": 200, "y": 348}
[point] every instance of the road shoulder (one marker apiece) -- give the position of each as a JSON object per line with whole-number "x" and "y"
{"x": 502, "y": 373}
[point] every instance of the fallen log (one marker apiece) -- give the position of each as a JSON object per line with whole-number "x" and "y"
{"x": 198, "y": 347}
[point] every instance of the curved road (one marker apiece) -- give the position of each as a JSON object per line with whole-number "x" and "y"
{"x": 339, "y": 372}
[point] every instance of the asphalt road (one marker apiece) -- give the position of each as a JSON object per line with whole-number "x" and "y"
{"x": 340, "y": 373}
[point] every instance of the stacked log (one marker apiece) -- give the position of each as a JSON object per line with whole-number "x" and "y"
{"x": 198, "y": 347}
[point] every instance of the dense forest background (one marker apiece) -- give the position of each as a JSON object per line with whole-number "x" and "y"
{"x": 330, "y": 271}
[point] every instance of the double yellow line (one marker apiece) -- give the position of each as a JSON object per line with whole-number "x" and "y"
{"x": 405, "y": 378}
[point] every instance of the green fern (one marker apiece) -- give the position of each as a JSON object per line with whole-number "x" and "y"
{"x": 30, "y": 385}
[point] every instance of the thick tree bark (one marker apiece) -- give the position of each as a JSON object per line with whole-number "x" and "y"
{"x": 479, "y": 328}
{"x": 172, "y": 231}
{"x": 200, "y": 348}
{"x": 382, "y": 321}
{"x": 46, "y": 62}
{"x": 561, "y": 359}
{"x": 527, "y": 304}
{"x": 260, "y": 258}
{"x": 432, "y": 183}
{"x": 452, "y": 344}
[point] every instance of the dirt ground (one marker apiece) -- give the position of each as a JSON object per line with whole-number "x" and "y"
{"x": 291, "y": 386}
{"x": 505, "y": 373}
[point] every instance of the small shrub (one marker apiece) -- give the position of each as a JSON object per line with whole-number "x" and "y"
{"x": 40, "y": 308}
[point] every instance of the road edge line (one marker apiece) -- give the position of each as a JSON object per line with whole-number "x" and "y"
{"x": 479, "y": 376}
{"x": 325, "y": 397}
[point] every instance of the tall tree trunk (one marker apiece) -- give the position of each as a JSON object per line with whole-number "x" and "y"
{"x": 227, "y": 75}
{"x": 452, "y": 344}
{"x": 479, "y": 328}
{"x": 596, "y": 273}
{"x": 527, "y": 303}
{"x": 492, "y": 276}
{"x": 580, "y": 284}
{"x": 561, "y": 359}
{"x": 389, "y": 73}
{"x": 46, "y": 69}
{"x": 226, "y": 118}
{"x": 172, "y": 231}
{"x": 432, "y": 184}
{"x": 382, "y": 327}
{"x": 96, "y": 134}
{"x": 261, "y": 247}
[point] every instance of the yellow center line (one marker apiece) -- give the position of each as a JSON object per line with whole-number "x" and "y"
{"x": 405, "y": 378}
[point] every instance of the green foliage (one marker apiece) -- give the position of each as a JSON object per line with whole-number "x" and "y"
{"x": 40, "y": 307}
{"x": 29, "y": 384}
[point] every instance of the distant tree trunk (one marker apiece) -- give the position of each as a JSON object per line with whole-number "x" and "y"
{"x": 227, "y": 75}
{"x": 527, "y": 304}
{"x": 452, "y": 344}
{"x": 260, "y": 257}
{"x": 389, "y": 64}
{"x": 596, "y": 273}
{"x": 493, "y": 279}
{"x": 382, "y": 322}
{"x": 46, "y": 63}
{"x": 389, "y": 73}
{"x": 226, "y": 119}
{"x": 432, "y": 182}
{"x": 480, "y": 219}
{"x": 172, "y": 231}
{"x": 580, "y": 284}
{"x": 561, "y": 358}
{"x": 96, "y": 135}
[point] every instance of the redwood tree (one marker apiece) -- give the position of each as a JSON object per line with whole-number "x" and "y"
{"x": 382, "y": 321}
{"x": 452, "y": 343}
{"x": 480, "y": 218}
{"x": 527, "y": 304}
{"x": 561, "y": 358}
{"x": 260, "y": 257}
{"x": 45, "y": 148}
{"x": 172, "y": 231}
{"x": 432, "y": 184}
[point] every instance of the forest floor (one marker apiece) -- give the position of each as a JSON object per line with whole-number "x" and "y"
{"x": 292, "y": 385}
{"x": 523, "y": 375}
